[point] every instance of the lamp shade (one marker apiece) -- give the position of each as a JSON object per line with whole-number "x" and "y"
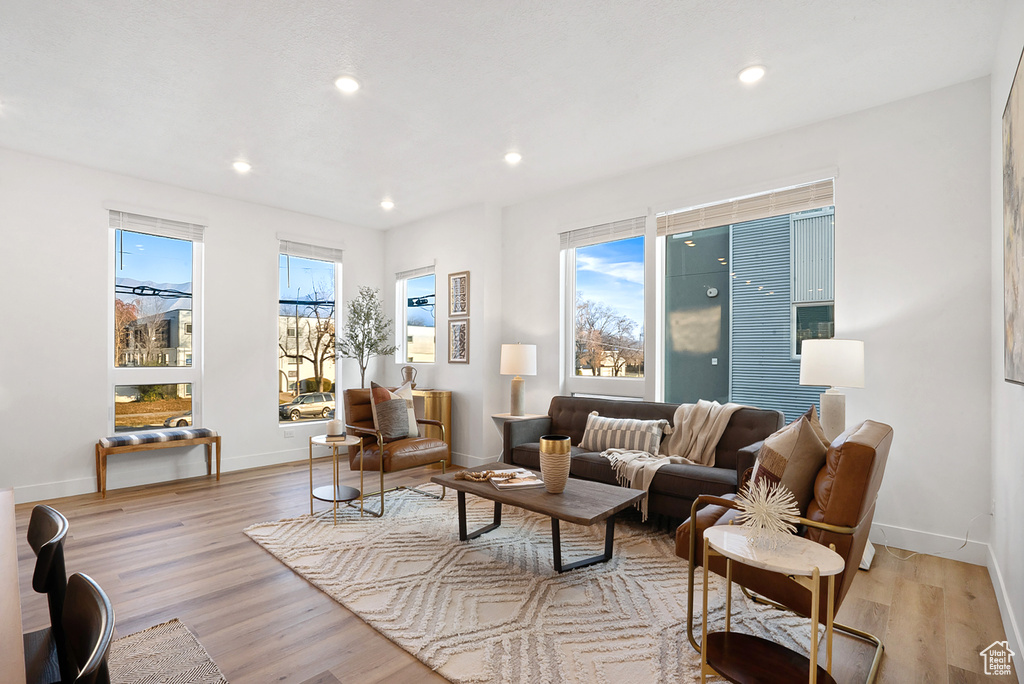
{"x": 832, "y": 363}
{"x": 518, "y": 359}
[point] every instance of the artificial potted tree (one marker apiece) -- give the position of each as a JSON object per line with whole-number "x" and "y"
{"x": 367, "y": 331}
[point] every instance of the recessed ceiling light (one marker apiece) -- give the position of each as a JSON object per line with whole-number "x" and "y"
{"x": 386, "y": 204}
{"x": 752, "y": 74}
{"x": 347, "y": 84}
{"x": 242, "y": 166}
{"x": 513, "y": 158}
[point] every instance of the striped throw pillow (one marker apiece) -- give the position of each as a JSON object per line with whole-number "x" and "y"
{"x": 623, "y": 433}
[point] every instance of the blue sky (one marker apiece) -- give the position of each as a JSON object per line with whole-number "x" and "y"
{"x": 613, "y": 273}
{"x": 150, "y": 258}
{"x": 300, "y": 276}
{"x": 421, "y": 287}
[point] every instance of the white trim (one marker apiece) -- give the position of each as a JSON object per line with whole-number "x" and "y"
{"x": 312, "y": 240}
{"x": 125, "y": 207}
{"x": 930, "y": 543}
{"x": 469, "y": 461}
{"x": 417, "y": 273}
{"x": 1010, "y": 626}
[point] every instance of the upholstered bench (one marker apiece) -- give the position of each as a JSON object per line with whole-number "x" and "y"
{"x": 159, "y": 439}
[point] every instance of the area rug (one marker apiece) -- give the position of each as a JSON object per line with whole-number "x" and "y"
{"x": 493, "y": 609}
{"x": 166, "y": 653}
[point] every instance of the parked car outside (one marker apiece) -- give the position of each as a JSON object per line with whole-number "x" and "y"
{"x": 180, "y": 420}
{"x": 307, "y": 406}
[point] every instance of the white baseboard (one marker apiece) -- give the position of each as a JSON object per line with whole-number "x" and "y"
{"x": 1013, "y": 635}
{"x": 930, "y": 543}
{"x": 133, "y": 469}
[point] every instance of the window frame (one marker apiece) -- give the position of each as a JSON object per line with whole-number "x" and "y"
{"x": 191, "y": 374}
{"x": 319, "y": 252}
{"x": 402, "y": 340}
{"x": 626, "y": 388}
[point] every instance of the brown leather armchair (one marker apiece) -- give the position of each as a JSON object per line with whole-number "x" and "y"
{"x": 388, "y": 456}
{"x": 839, "y": 515}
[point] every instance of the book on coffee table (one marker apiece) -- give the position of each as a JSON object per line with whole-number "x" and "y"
{"x": 516, "y": 478}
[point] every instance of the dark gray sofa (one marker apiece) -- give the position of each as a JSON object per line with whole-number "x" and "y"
{"x": 676, "y": 485}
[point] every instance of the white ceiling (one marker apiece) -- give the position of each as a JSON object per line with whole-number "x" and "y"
{"x": 175, "y": 91}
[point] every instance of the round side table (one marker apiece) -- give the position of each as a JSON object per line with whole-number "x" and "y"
{"x": 337, "y": 493}
{"x": 744, "y": 657}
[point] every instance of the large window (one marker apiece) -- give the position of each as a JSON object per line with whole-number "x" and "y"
{"x": 745, "y": 283}
{"x": 306, "y": 327}
{"x": 416, "y": 330}
{"x": 156, "y": 322}
{"x": 604, "y": 283}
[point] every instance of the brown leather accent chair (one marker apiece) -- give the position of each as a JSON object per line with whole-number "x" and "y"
{"x": 839, "y": 515}
{"x": 45, "y": 654}
{"x": 375, "y": 453}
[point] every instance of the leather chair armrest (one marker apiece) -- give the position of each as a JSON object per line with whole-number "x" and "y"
{"x": 524, "y": 431}
{"x": 745, "y": 459}
{"x": 361, "y": 430}
{"x": 435, "y": 423}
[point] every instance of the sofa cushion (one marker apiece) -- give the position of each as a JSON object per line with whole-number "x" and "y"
{"x": 688, "y": 481}
{"x": 630, "y": 434}
{"x": 792, "y": 457}
{"x": 588, "y": 465}
{"x": 569, "y": 414}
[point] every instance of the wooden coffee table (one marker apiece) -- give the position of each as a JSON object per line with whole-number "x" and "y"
{"x": 583, "y": 502}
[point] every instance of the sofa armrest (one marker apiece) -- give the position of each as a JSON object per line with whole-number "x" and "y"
{"x": 524, "y": 431}
{"x": 745, "y": 459}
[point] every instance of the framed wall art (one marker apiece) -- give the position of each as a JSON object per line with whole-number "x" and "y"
{"x": 1013, "y": 231}
{"x": 458, "y": 341}
{"x": 458, "y": 294}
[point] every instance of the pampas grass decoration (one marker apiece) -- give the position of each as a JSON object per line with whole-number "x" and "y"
{"x": 769, "y": 510}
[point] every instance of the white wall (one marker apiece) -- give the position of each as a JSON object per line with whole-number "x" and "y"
{"x": 54, "y": 399}
{"x": 1006, "y": 564}
{"x": 912, "y": 281}
{"x": 466, "y": 239}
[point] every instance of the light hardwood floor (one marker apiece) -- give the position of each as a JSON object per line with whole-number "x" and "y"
{"x": 177, "y": 550}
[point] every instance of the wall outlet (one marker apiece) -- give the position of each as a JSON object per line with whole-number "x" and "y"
{"x": 289, "y": 432}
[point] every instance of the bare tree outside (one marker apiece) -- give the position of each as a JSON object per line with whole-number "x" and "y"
{"x": 605, "y": 339}
{"x": 315, "y": 334}
{"x": 368, "y": 332}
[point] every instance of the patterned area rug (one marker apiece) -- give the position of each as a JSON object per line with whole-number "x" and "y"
{"x": 493, "y": 609}
{"x": 167, "y": 653}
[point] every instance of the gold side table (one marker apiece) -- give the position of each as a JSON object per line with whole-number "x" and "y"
{"x": 744, "y": 657}
{"x": 337, "y": 493}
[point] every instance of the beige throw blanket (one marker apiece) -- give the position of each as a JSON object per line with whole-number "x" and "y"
{"x": 698, "y": 427}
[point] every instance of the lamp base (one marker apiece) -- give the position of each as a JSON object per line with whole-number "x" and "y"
{"x": 833, "y": 413}
{"x": 518, "y": 396}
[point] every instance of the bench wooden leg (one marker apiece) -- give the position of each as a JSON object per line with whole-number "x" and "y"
{"x": 101, "y": 470}
{"x": 217, "y": 438}
{"x": 209, "y": 458}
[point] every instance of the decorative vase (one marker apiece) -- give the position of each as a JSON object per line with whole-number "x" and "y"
{"x": 554, "y": 462}
{"x": 409, "y": 376}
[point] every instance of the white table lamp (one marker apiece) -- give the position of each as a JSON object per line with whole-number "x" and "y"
{"x": 833, "y": 363}
{"x": 518, "y": 360}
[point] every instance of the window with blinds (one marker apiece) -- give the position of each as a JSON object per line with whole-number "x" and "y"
{"x": 746, "y": 281}
{"x": 307, "y": 320}
{"x": 155, "y": 339}
{"x": 415, "y": 308}
{"x": 605, "y": 307}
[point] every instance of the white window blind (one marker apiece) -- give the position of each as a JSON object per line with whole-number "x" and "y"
{"x": 606, "y": 232}
{"x": 776, "y": 203}
{"x": 415, "y": 273}
{"x": 137, "y": 223}
{"x": 303, "y": 250}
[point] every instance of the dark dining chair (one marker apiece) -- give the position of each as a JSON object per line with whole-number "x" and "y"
{"x": 45, "y": 659}
{"x": 88, "y": 630}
